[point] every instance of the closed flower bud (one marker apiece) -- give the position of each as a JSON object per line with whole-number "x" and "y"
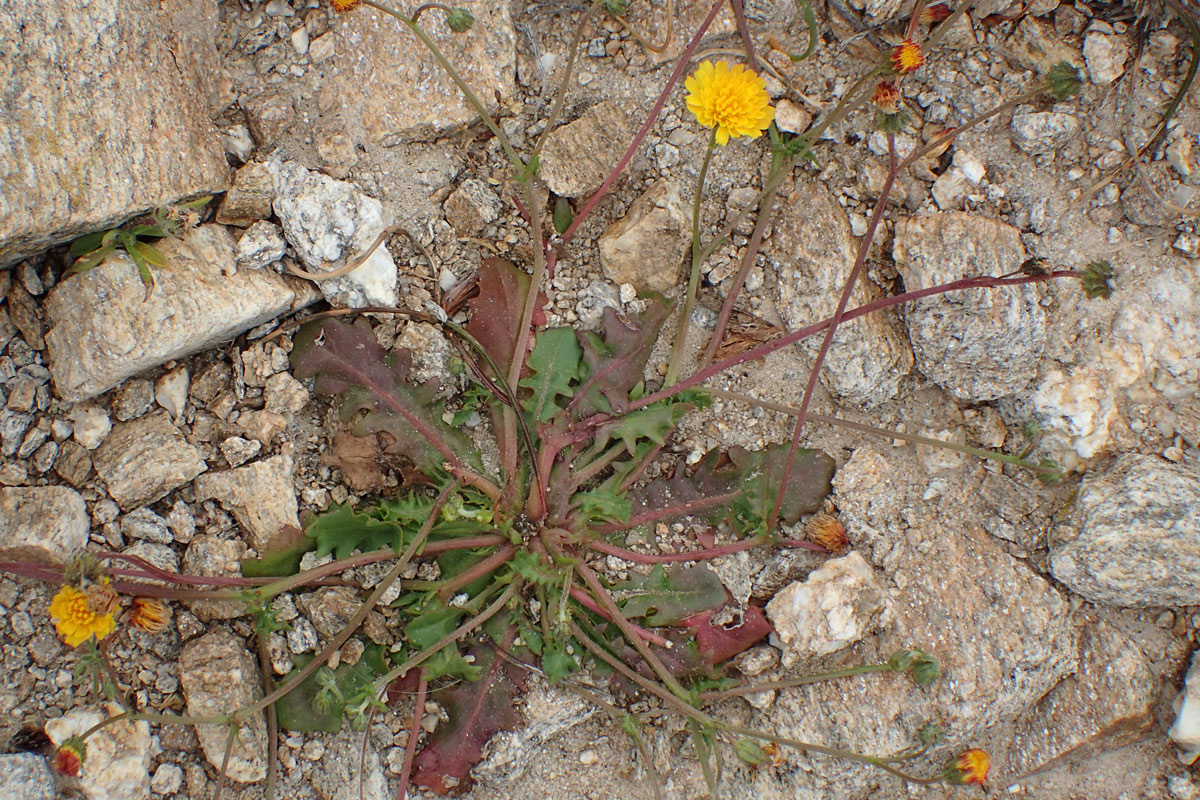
{"x": 68, "y": 759}
{"x": 827, "y": 531}
{"x": 459, "y": 20}
{"x": 149, "y": 614}
{"x": 970, "y": 767}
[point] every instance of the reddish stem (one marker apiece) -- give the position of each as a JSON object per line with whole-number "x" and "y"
{"x": 700, "y": 555}
{"x": 680, "y": 66}
{"x": 467, "y": 577}
{"x": 414, "y": 733}
{"x": 681, "y": 510}
{"x": 584, "y": 599}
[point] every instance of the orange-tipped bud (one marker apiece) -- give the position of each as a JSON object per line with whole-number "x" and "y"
{"x": 149, "y": 614}
{"x": 886, "y": 97}
{"x": 827, "y": 531}
{"x": 935, "y": 13}
{"x": 68, "y": 759}
{"x": 970, "y": 767}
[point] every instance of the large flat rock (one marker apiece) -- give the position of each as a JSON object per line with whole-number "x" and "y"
{"x": 105, "y": 113}
{"x": 42, "y": 522}
{"x": 105, "y": 329}
{"x": 381, "y": 76}
{"x": 142, "y": 460}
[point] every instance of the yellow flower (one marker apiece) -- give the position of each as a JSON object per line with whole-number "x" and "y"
{"x": 907, "y": 57}
{"x": 343, "y": 5}
{"x": 970, "y": 767}
{"x": 149, "y": 614}
{"x": 733, "y": 100}
{"x": 79, "y": 615}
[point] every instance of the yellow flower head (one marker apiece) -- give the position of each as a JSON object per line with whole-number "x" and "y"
{"x": 343, "y": 5}
{"x": 886, "y": 97}
{"x": 970, "y": 767}
{"x": 149, "y": 614}
{"x": 79, "y": 615}
{"x": 907, "y": 57}
{"x": 733, "y": 100}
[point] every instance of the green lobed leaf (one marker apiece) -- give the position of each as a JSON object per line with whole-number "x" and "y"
{"x": 662, "y": 598}
{"x": 557, "y": 663}
{"x": 554, "y": 364}
{"x": 429, "y": 627}
{"x": 599, "y": 505}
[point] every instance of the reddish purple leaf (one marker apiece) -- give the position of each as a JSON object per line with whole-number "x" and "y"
{"x": 496, "y": 310}
{"x": 732, "y": 633}
{"x": 478, "y": 710}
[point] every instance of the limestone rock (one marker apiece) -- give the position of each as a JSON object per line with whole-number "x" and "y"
{"x": 1186, "y": 730}
{"x": 646, "y": 246}
{"x": 171, "y": 391}
{"x": 1041, "y": 132}
{"x": 1105, "y": 57}
{"x": 579, "y": 155}
{"x": 44, "y": 522}
{"x": 471, "y": 206}
{"x": 382, "y": 78}
{"x": 77, "y": 155}
{"x": 220, "y": 676}
{"x": 106, "y": 330}
{"x": 812, "y": 252}
{"x": 26, "y": 776}
{"x": 260, "y": 496}
{"x": 213, "y": 558}
{"x": 1107, "y": 702}
{"x": 833, "y": 608}
{"x": 117, "y": 766}
{"x": 260, "y": 246}
{"x": 329, "y": 221}
{"x": 91, "y": 425}
{"x": 141, "y": 461}
{"x": 249, "y": 198}
{"x": 978, "y": 344}
{"x": 1132, "y": 537}
{"x": 330, "y": 608}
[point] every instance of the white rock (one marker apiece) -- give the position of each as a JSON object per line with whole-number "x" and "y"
{"x": 1040, "y": 132}
{"x": 326, "y": 221}
{"x": 950, "y": 189}
{"x": 1074, "y": 410}
{"x": 1186, "y": 730}
{"x": 300, "y": 40}
{"x": 1105, "y": 57}
{"x": 260, "y": 246}
{"x": 171, "y": 391}
{"x": 972, "y": 168}
{"x": 167, "y": 780}
{"x": 91, "y": 425}
{"x": 833, "y": 608}
{"x": 117, "y": 766}
{"x": 791, "y": 118}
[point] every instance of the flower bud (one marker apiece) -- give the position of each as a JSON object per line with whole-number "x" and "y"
{"x": 459, "y": 20}
{"x": 970, "y": 767}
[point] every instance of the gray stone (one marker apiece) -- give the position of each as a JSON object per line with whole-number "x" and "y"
{"x": 141, "y": 461}
{"x": 1185, "y": 731}
{"x": 832, "y": 608}
{"x": 330, "y": 608}
{"x": 471, "y": 207}
{"x": 219, "y": 676}
{"x": 43, "y": 523}
{"x": 1107, "y": 703}
{"x": 13, "y": 425}
{"x": 978, "y": 344}
{"x": 1105, "y": 56}
{"x": 578, "y": 156}
{"x": 328, "y": 222}
{"x": 167, "y": 779}
{"x": 260, "y": 496}
{"x": 1132, "y": 536}
{"x": 238, "y": 451}
{"x": 105, "y": 329}
{"x": 132, "y": 399}
{"x": 77, "y": 154}
{"x": 118, "y": 755}
{"x": 249, "y": 198}
{"x": 73, "y": 463}
{"x": 286, "y": 395}
{"x": 647, "y": 245}
{"x": 381, "y": 79}
{"x": 260, "y": 246}
{"x": 812, "y": 253}
{"x": 144, "y": 524}
{"x": 215, "y": 558}
{"x": 26, "y": 776}
{"x": 1040, "y": 132}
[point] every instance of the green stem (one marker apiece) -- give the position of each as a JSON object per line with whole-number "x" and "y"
{"x": 689, "y": 301}
{"x": 468, "y": 93}
{"x": 836, "y": 752}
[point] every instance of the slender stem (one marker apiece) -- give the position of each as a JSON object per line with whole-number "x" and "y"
{"x": 742, "y": 691}
{"x": 640, "y": 136}
{"x": 836, "y": 752}
{"x": 264, "y": 665}
{"x": 689, "y": 301}
{"x": 815, "y": 372}
{"x": 669, "y": 512}
{"x": 560, "y": 97}
{"x": 585, "y": 600}
{"x": 468, "y": 93}
{"x": 665, "y": 558}
{"x": 414, "y": 733}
